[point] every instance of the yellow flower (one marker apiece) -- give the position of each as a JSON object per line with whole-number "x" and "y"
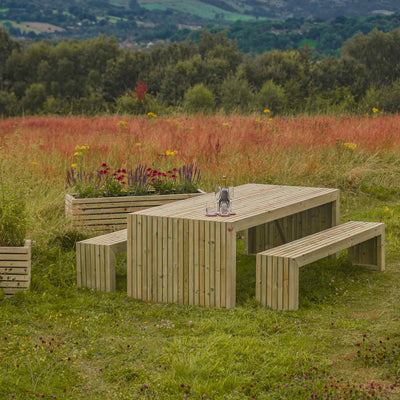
{"x": 350, "y": 146}
{"x": 138, "y": 144}
{"x": 386, "y": 208}
{"x": 225, "y": 124}
{"x": 267, "y": 111}
{"x": 78, "y": 153}
{"x": 34, "y": 163}
{"x": 122, "y": 123}
{"x": 150, "y": 114}
{"x": 374, "y": 110}
{"x": 171, "y": 153}
{"x": 74, "y": 165}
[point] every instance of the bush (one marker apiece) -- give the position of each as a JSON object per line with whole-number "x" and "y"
{"x": 272, "y": 97}
{"x": 199, "y": 99}
{"x": 13, "y": 217}
{"x": 235, "y": 95}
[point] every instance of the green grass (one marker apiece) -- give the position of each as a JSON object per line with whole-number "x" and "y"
{"x": 58, "y": 340}
{"x": 72, "y": 343}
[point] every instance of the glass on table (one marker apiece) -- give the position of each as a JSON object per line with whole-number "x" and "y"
{"x": 211, "y": 209}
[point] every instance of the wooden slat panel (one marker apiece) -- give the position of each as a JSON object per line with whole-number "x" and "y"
{"x": 160, "y": 260}
{"x": 207, "y": 264}
{"x": 181, "y": 262}
{"x": 185, "y": 261}
{"x": 217, "y": 247}
{"x": 170, "y": 265}
{"x": 155, "y": 253}
{"x": 196, "y": 255}
{"x": 202, "y": 262}
{"x": 145, "y": 294}
{"x": 175, "y": 250}
{"x": 149, "y": 259}
{"x": 231, "y": 266}
{"x": 212, "y": 264}
{"x": 191, "y": 262}
{"x": 223, "y": 265}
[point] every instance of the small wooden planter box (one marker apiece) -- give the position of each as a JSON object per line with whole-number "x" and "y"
{"x": 15, "y": 268}
{"x": 110, "y": 213}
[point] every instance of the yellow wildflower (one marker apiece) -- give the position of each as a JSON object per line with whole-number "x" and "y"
{"x": 122, "y": 123}
{"x": 78, "y": 153}
{"x": 225, "y": 124}
{"x": 150, "y": 114}
{"x": 386, "y": 208}
{"x": 374, "y": 110}
{"x": 138, "y": 144}
{"x": 267, "y": 111}
{"x": 350, "y": 146}
{"x": 34, "y": 163}
{"x": 171, "y": 153}
{"x": 74, "y": 165}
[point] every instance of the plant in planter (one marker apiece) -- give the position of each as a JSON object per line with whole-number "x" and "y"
{"x": 15, "y": 251}
{"x": 100, "y": 200}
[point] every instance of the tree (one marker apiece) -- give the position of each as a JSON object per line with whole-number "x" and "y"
{"x": 199, "y": 99}
{"x": 272, "y": 97}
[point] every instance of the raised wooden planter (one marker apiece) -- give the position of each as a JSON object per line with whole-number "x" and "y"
{"x": 15, "y": 268}
{"x": 110, "y": 213}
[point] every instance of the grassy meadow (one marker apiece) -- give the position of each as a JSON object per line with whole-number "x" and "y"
{"x": 60, "y": 341}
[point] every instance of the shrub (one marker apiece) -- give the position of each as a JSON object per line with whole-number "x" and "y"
{"x": 236, "y": 95}
{"x": 199, "y": 99}
{"x": 272, "y": 97}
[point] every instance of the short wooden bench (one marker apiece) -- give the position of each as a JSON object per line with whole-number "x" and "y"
{"x": 277, "y": 269}
{"x": 95, "y": 260}
{"x": 15, "y": 268}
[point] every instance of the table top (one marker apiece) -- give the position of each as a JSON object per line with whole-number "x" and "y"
{"x": 253, "y": 204}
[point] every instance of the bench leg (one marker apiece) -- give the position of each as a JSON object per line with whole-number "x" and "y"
{"x": 277, "y": 283}
{"x": 370, "y": 254}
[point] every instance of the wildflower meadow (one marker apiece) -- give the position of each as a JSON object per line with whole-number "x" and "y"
{"x": 58, "y": 341}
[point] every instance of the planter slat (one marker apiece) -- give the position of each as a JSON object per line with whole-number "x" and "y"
{"x": 15, "y": 268}
{"x": 110, "y": 213}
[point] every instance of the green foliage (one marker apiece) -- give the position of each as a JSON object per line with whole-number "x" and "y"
{"x": 13, "y": 216}
{"x": 236, "y": 95}
{"x": 199, "y": 99}
{"x": 272, "y": 97}
{"x": 9, "y": 105}
{"x": 34, "y": 99}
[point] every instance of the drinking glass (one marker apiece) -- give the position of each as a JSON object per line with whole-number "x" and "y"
{"x": 211, "y": 209}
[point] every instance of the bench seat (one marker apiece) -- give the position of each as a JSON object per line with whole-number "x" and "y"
{"x": 277, "y": 269}
{"x": 96, "y": 258}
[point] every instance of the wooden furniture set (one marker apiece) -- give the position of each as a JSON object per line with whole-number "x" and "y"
{"x": 175, "y": 253}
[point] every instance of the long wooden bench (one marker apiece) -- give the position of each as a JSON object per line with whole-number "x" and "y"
{"x": 96, "y": 258}
{"x": 277, "y": 269}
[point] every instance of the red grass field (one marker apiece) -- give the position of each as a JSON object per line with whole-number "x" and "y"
{"x": 243, "y": 148}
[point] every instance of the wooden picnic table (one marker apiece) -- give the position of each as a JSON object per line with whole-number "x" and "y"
{"x": 175, "y": 253}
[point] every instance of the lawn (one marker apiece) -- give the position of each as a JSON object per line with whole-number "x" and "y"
{"x": 60, "y": 341}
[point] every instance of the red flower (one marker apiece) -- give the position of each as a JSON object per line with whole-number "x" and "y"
{"x": 104, "y": 165}
{"x": 173, "y": 176}
{"x": 123, "y": 171}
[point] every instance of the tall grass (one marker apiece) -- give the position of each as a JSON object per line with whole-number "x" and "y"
{"x": 67, "y": 343}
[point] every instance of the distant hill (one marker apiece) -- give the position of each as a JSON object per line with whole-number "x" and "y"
{"x": 139, "y": 23}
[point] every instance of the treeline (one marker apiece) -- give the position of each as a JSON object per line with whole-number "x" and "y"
{"x": 97, "y": 76}
{"x": 325, "y": 37}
